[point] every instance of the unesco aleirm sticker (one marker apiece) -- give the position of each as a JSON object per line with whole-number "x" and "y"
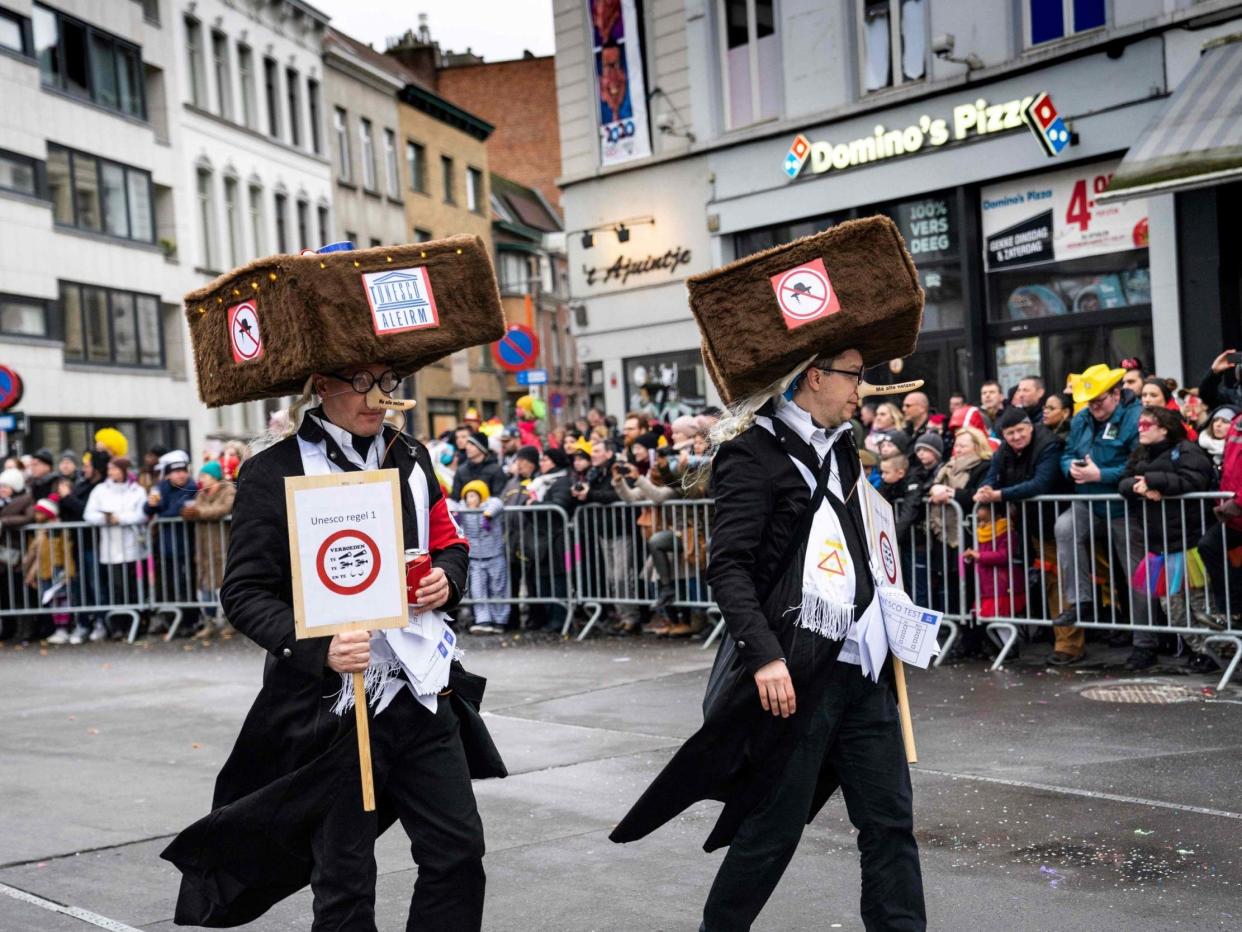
{"x": 401, "y": 300}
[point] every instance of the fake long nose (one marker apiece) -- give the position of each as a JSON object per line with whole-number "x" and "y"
{"x": 866, "y": 389}
{"x": 377, "y": 399}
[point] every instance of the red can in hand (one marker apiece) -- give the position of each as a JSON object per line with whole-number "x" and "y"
{"x": 417, "y": 566}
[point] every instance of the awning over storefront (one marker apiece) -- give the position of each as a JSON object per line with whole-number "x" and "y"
{"x": 1196, "y": 140}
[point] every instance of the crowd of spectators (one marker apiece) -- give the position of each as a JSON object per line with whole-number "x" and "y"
{"x": 1117, "y": 448}
{"x": 93, "y": 530}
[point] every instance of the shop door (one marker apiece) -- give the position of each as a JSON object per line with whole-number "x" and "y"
{"x": 1053, "y": 356}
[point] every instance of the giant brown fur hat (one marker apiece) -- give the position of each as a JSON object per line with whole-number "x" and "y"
{"x": 873, "y": 299}
{"x": 262, "y": 330}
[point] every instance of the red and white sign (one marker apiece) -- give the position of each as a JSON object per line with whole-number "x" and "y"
{"x": 805, "y": 293}
{"x": 244, "y": 334}
{"x": 888, "y": 557}
{"x": 348, "y": 562}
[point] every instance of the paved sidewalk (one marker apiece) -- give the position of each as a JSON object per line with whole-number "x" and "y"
{"x": 1037, "y": 809}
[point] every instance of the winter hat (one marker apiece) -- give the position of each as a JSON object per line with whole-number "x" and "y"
{"x": 898, "y": 438}
{"x": 14, "y": 479}
{"x": 528, "y": 453}
{"x": 69, "y": 455}
{"x": 1012, "y": 417}
{"x": 177, "y": 459}
{"x": 262, "y": 330}
{"x": 650, "y": 440}
{"x": 44, "y": 455}
{"x": 113, "y": 441}
{"x": 853, "y": 286}
{"x": 480, "y": 440}
{"x": 930, "y": 442}
{"x": 476, "y": 485}
{"x": 50, "y": 506}
{"x": 1224, "y": 413}
{"x": 213, "y": 469}
{"x": 558, "y": 457}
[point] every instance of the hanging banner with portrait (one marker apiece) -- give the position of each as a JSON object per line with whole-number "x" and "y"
{"x": 619, "y": 90}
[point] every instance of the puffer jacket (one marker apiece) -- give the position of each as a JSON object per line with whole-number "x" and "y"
{"x": 1172, "y": 469}
{"x": 120, "y": 542}
{"x": 1109, "y": 444}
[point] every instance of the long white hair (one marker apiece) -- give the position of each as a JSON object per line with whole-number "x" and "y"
{"x": 741, "y": 414}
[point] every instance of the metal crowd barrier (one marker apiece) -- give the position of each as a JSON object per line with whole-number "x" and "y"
{"x": 622, "y": 547}
{"x": 537, "y": 557}
{"x": 634, "y": 555}
{"x": 1131, "y": 572}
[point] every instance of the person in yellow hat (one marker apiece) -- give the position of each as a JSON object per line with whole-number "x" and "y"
{"x": 111, "y": 441}
{"x": 1101, "y": 437}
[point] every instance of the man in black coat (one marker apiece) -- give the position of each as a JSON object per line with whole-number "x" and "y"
{"x": 288, "y": 809}
{"x": 817, "y": 721}
{"x": 480, "y": 463}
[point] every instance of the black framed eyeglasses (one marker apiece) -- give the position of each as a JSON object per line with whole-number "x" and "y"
{"x": 855, "y": 374}
{"x": 362, "y": 381}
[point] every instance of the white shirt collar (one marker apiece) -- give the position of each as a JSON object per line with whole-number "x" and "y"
{"x": 818, "y": 438}
{"x": 344, "y": 439}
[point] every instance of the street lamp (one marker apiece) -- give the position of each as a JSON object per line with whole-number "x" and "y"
{"x": 623, "y": 233}
{"x": 588, "y": 239}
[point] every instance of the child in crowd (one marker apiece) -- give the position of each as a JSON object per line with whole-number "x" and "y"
{"x": 1001, "y": 582}
{"x": 480, "y": 517}
{"x": 49, "y": 566}
{"x": 893, "y": 469}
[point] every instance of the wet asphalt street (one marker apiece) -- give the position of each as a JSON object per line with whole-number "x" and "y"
{"x": 1037, "y": 808}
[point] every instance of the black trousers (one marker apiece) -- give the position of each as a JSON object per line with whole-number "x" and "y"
{"x": 857, "y": 728}
{"x": 420, "y": 768}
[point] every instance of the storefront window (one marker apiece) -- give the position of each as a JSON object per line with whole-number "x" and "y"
{"x": 1100, "y": 283}
{"x": 749, "y": 242}
{"x": 667, "y": 385}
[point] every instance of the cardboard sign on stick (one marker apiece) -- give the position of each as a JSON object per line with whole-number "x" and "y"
{"x": 347, "y": 555}
{"x": 346, "y": 552}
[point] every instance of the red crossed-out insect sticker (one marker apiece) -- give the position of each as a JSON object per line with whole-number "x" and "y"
{"x": 805, "y": 293}
{"x": 244, "y": 335}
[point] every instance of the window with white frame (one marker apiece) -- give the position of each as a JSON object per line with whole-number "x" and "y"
{"x": 894, "y": 42}
{"x": 304, "y": 231}
{"x": 245, "y": 74}
{"x": 295, "y": 106}
{"x": 224, "y": 82}
{"x": 750, "y": 62}
{"x": 312, "y": 103}
{"x": 282, "y": 229}
{"x": 325, "y": 226}
{"x": 206, "y": 220}
{"x": 1049, "y": 20}
{"x": 391, "y": 174}
{"x": 340, "y": 126}
{"x": 232, "y": 222}
{"x": 194, "y": 61}
{"x": 257, "y": 239}
{"x": 271, "y": 95}
{"x": 368, "y": 153}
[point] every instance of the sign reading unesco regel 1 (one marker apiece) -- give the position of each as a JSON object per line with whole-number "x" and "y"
{"x": 977, "y": 118}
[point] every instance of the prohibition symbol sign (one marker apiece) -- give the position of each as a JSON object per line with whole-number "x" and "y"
{"x": 888, "y": 557}
{"x": 348, "y": 562}
{"x": 244, "y": 335}
{"x": 517, "y": 349}
{"x": 11, "y": 388}
{"x": 804, "y": 293}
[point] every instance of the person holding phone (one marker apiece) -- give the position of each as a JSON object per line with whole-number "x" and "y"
{"x": 1223, "y": 383}
{"x": 1101, "y": 438}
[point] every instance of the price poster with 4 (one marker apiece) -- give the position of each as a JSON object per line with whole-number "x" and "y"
{"x": 1055, "y": 218}
{"x": 345, "y": 549}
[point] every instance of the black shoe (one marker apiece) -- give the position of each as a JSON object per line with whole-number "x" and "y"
{"x": 1072, "y": 615}
{"x": 1141, "y": 658}
{"x": 1200, "y": 663}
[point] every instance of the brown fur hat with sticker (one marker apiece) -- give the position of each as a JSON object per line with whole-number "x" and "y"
{"x": 853, "y": 286}
{"x": 262, "y": 330}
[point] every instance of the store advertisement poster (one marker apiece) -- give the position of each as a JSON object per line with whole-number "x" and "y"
{"x": 623, "y": 131}
{"x": 1056, "y": 218}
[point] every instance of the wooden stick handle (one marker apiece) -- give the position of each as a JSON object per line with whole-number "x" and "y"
{"x": 903, "y": 709}
{"x": 364, "y": 743}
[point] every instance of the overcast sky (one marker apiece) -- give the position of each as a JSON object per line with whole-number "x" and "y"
{"x": 495, "y": 29}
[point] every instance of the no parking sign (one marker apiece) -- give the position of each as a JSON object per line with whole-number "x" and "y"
{"x": 517, "y": 349}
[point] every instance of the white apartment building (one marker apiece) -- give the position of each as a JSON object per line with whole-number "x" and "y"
{"x": 90, "y": 177}
{"x": 254, "y": 154}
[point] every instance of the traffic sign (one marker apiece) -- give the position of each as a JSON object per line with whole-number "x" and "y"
{"x": 517, "y": 349}
{"x": 12, "y": 423}
{"x": 10, "y": 388}
{"x": 556, "y": 400}
{"x": 533, "y": 377}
